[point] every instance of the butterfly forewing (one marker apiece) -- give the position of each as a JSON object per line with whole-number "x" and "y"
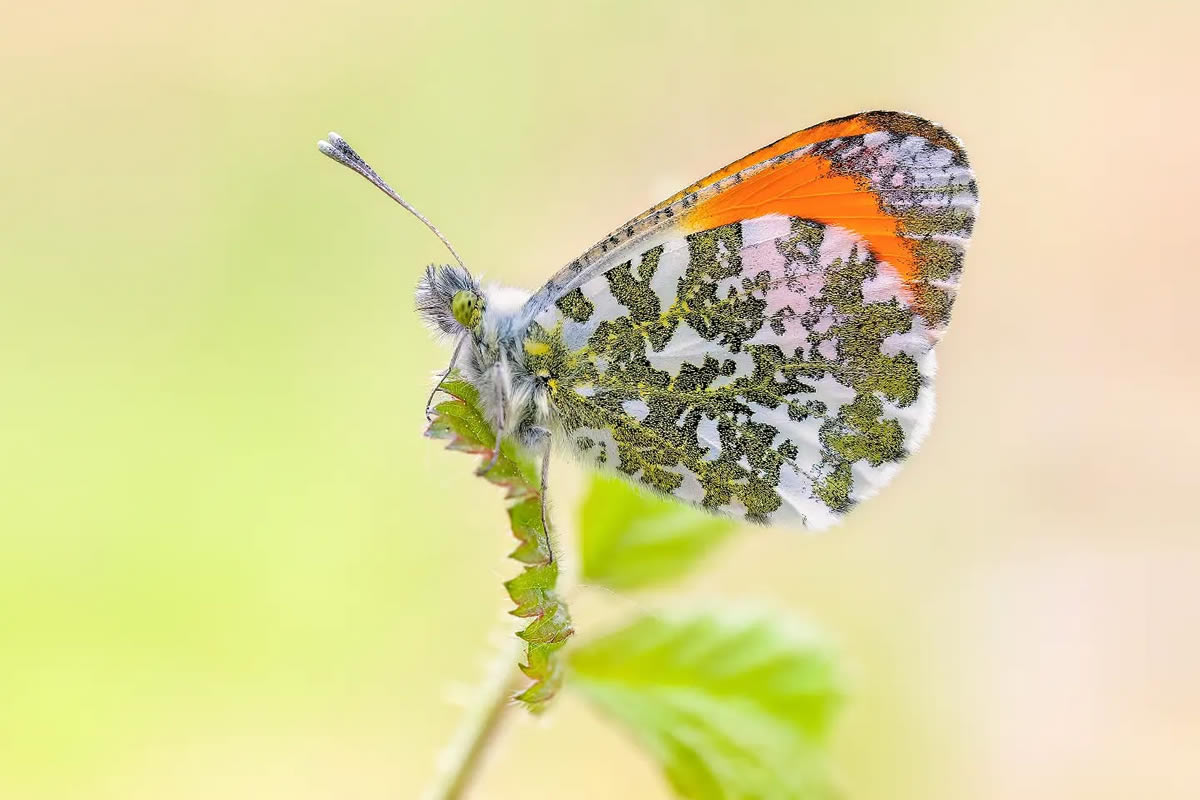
{"x": 761, "y": 344}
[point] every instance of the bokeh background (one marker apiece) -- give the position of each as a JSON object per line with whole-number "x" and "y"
{"x": 230, "y": 566}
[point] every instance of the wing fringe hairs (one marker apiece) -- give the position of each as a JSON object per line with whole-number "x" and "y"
{"x": 535, "y": 590}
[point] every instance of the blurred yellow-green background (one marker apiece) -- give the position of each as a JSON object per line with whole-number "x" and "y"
{"x": 230, "y": 566}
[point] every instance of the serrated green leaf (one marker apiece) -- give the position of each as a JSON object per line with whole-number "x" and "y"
{"x": 732, "y": 707}
{"x": 534, "y": 591}
{"x": 631, "y": 539}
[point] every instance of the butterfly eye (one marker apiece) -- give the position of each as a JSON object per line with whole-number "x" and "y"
{"x": 467, "y": 308}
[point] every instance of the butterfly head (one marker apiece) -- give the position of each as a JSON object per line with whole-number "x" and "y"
{"x": 450, "y": 300}
{"x": 448, "y": 297}
{"x": 487, "y": 324}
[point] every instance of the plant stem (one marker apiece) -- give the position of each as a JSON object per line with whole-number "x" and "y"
{"x": 479, "y": 729}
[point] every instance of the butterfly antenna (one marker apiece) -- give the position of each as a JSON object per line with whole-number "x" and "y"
{"x": 340, "y": 151}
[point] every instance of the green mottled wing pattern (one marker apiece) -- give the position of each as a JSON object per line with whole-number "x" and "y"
{"x": 773, "y": 368}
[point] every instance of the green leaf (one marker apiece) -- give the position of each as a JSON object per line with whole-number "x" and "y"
{"x": 732, "y": 707}
{"x": 534, "y": 591}
{"x": 631, "y": 539}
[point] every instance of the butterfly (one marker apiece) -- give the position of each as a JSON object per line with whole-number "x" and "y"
{"x": 760, "y": 344}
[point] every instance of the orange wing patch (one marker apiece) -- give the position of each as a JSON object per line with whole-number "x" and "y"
{"x": 807, "y": 187}
{"x": 854, "y": 125}
{"x": 898, "y": 181}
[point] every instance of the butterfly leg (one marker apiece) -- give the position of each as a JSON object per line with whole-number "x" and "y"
{"x": 542, "y": 436}
{"x": 442, "y": 379}
{"x": 501, "y": 430}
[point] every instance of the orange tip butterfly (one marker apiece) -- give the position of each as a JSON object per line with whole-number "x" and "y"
{"x": 760, "y": 344}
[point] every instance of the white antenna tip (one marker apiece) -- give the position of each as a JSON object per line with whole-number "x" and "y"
{"x": 336, "y": 148}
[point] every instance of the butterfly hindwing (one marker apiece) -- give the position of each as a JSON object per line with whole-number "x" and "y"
{"x": 761, "y": 344}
